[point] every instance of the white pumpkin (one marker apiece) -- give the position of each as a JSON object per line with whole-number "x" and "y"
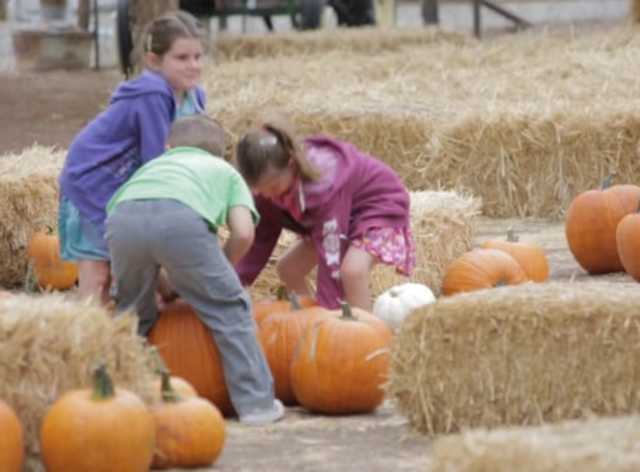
{"x": 394, "y": 305}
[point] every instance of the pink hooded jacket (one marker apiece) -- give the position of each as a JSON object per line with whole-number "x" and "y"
{"x": 355, "y": 193}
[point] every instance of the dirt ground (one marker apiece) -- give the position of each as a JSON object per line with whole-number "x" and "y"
{"x": 50, "y": 108}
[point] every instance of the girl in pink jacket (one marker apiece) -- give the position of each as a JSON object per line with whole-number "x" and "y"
{"x": 351, "y": 209}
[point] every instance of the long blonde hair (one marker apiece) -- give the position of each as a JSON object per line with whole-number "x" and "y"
{"x": 272, "y": 144}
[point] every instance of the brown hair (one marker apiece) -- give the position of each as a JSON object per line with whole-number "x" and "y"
{"x": 273, "y": 144}
{"x": 160, "y": 33}
{"x": 198, "y": 131}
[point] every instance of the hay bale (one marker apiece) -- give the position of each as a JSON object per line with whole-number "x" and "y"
{"x": 366, "y": 40}
{"x": 524, "y": 122}
{"x": 519, "y": 355}
{"x": 596, "y": 445}
{"x": 442, "y": 225}
{"x": 50, "y": 343}
{"x": 28, "y": 203}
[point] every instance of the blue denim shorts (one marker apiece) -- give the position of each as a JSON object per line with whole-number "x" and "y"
{"x": 80, "y": 239}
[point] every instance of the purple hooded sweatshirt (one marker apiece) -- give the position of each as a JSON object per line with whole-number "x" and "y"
{"x": 131, "y": 131}
{"x": 355, "y": 193}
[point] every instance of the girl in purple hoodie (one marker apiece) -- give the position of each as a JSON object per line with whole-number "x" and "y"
{"x": 351, "y": 209}
{"x": 132, "y": 130}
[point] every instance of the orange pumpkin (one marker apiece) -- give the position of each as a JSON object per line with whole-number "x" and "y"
{"x": 591, "y": 223}
{"x": 530, "y": 256}
{"x": 284, "y": 302}
{"x": 190, "y": 431}
{"x": 189, "y": 351}
{"x": 50, "y": 271}
{"x": 482, "y": 268}
{"x": 11, "y": 440}
{"x": 341, "y": 363}
{"x": 101, "y": 429}
{"x": 279, "y": 334}
{"x": 628, "y": 242}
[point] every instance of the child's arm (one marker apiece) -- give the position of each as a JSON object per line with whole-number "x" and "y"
{"x": 267, "y": 234}
{"x": 242, "y": 232}
{"x": 153, "y": 116}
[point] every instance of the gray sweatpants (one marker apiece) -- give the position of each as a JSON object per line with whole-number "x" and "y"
{"x": 144, "y": 235}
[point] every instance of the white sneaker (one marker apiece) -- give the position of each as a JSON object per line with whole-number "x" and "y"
{"x": 262, "y": 417}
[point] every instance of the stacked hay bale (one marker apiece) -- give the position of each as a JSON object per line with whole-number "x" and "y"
{"x": 597, "y": 445}
{"x": 28, "y": 203}
{"x": 519, "y": 355}
{"x": 523, "y": 122}
{"x": 366, "y": 40}
{"x": 49, "y": 344}
{"x": 443, "y": 228}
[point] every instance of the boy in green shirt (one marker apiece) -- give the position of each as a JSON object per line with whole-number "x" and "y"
{"x": 166, "y": 215}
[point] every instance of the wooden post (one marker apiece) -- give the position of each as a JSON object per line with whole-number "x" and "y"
{"x": 635, "y": 11}
{"x": 3, "y": 10}
{"x": 142, "y": 12}
{"x": 385, "y": 13}
{"x": 84, "y": 10}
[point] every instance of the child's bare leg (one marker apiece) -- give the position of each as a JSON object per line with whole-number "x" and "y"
{"x": 295, "y": 264}
{"x": 354, "y": 273}
{"x": 94, "y": 280}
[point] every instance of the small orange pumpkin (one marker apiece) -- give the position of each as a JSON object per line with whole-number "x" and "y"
{"x": 50, "y": 271}
{"x": 279, "y": 333}
{"x": 284, "y": 302}
{"x": 101, "y": 429}
{"x": 189, "y": 351}
{"x": 190, "y": 431}
{"x": 530, "y": 256}
{"x": 628, "y": 242}
{"x": 482, "y": 268}
{"x": 591, "y": 223}
{"x": 341, "y": 363}
{"x": 11, "y": 440}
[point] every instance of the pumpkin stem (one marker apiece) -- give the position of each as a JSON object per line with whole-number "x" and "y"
{"x": 606, "y": 183}
{"x": 294, "y": 299}
{"x": 102, "y": 383}
{"x": 347, "y": 314}
{"x": 512, "y": 237}
{"x": 281, "y": 293}
{"x": 168, "y": 393}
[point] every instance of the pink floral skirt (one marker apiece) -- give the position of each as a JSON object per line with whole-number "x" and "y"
{"x": 392, "y": 246}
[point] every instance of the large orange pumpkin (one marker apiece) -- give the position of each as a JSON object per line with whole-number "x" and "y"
{"x": 591, "y": 223}
{"x": 531, "y": 257}
{"x": 190, "y": 431}
{"x": 11, "y": 440}
{"x": 190, "y": 352}
{"x": 628, "y": 242}
{"x": 279, "y": 334}
{"x": 341, "y": 363}
{"x": 284, "y": 302}
{"x": 482, "y": 268}
{"x": 101, "y": 429}
{"x": 50, "y": 271}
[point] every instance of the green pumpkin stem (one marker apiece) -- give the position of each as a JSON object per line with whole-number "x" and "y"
{"x": 102, "y": 384}
{"x": 168, "y": 393}
{"x": 347, "y": 313}
{"x": 512, "y": 237}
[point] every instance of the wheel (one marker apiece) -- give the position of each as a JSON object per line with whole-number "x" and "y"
{"x": 125, "y": 40}
{"x": 354, "y": 12}
{"x": 430, "y": 12}
{"x": 309, "y": 15}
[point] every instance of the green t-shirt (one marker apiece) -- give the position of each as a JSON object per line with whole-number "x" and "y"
{"x": 207, "y": 184}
